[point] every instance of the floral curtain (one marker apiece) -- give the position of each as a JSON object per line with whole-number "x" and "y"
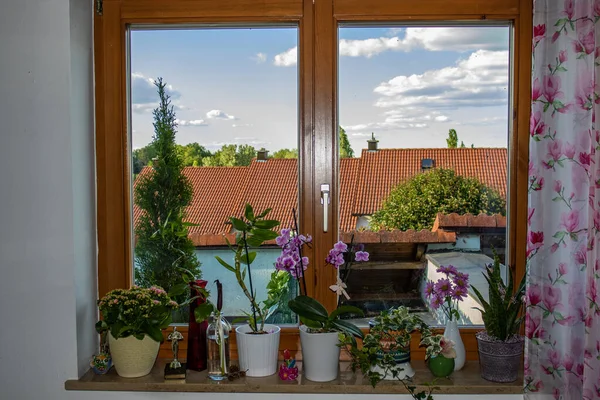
{"x": 562, "y": 325}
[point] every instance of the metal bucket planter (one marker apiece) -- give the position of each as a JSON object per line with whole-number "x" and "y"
{"x": 499, "y": 361}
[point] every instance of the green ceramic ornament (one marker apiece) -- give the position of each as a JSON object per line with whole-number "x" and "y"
{"x": 441, "y": 366}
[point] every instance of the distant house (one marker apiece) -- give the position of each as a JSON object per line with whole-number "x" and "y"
{"x": 402, "y": 259}
{"x": 220, "y": 192}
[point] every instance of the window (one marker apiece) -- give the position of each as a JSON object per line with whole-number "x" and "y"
{"x": 235, "y": 98}
{"x": 317, "y": 63}
{"x": 423, "y": 114}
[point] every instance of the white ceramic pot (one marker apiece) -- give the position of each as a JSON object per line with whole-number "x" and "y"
{"x": 453, "y": 334}
{"x": 320, "y": 355}
{"x": 257, "y": 354}
{"x": 131, "y": 357}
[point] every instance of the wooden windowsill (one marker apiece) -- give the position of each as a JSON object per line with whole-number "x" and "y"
{"x": 466, "y": 381}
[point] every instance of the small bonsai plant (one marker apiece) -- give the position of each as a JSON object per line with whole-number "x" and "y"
{"x": 136, "y": 312}
{"x": 252, "y": 231}
{"x": 500, "y": 312}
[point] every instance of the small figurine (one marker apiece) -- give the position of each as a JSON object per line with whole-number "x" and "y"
{"x": 102, "y": 361}
{"x": 175, "y": 370}
{"x": 175, "y": 337}
{"x": 288, "y": 370}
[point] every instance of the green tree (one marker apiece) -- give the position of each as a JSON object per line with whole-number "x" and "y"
{"x": 286, "y": 153}
{"x": 231, "y": 155}
{"x": 345, "y": 148}
{"x": 414, "y": 204}
{"x": 163, "y": 249}
{"x": 452, "y": 140}
{"x": 192, "y": 154}
{"x": 142, "y": 157}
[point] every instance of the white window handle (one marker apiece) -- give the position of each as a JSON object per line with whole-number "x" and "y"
{"x": 325, "y": 201}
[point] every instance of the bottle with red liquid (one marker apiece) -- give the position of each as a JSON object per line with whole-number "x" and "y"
{"x": 196, "y": 351}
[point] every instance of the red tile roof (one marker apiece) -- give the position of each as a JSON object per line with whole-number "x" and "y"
{"x": 220, "y": 192}
{"x": 381, "y": 170}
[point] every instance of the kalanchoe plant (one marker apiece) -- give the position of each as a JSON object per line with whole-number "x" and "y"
{"x": 252, "y": 231}
{"x": 436, "y": 345}
{"x": 448, "y": 291}
{"x": 500, "y": 312}
{"x": 136, "y": 311}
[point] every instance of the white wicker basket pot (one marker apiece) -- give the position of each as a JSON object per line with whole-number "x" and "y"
{"x": 131, "y": 357}
{"x": 320, "y": 355}
{"x": 499, "y": 361}
{"x": 257, "y": 353}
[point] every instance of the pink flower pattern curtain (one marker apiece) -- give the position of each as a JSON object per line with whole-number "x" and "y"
{"x": 562, "y": 324}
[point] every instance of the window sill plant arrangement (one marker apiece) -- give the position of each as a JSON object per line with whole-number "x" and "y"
{"x": 257, "y": 341}
{"x": 500, "y": 346}
{"x": 439, "y": 355}
{"x": 385, "y": 351}
{"x": 445, "y": 294}
{"x": 319, "y": 332}
{"x": 134, "y": 319}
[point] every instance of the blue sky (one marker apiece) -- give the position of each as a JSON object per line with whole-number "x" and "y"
{"x": 407, "y": 85}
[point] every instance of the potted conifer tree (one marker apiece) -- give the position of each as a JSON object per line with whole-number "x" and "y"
{"x": 500, "y": 346}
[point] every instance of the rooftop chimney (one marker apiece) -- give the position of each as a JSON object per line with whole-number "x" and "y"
{"x": 427, "y": 163}
{"x": 262, "y": 154}
{"x": 372, "y": 143}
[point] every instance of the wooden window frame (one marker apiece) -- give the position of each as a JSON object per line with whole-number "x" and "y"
{"x": 317, "y": 22}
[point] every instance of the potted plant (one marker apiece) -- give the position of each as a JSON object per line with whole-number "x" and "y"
{"x": 500, "y": 346}
{"x": 385, "y": 351}
{"x": 134, "y": 319}
{"x": 319, "y": 332}
{"x": 445, "y": 294}
{"x": 439, "y": 355}
{"x": 257, "y": 342}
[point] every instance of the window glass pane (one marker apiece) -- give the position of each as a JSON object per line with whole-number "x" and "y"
{"x": 233, "y": 92}
{"x": 423, "y": 169}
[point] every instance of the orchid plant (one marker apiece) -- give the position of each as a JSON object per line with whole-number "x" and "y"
{"x": 437, "y": 345}
{"x": 447, "y": 291}
{"x": 312, "y": 313}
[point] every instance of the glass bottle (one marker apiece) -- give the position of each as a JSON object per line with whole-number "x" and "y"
{"x": 217, "y": 343}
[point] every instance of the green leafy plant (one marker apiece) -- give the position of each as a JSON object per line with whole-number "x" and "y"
{"x": 500, "y": 312}
{"x": 252, "y": 231}
{"x": 414, "y": 204}
{"x": 135, "y": 312}
{"x": 315, "y": 316}
{"x": 390, "y": 333}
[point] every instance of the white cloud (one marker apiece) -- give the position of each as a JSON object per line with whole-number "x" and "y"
{"x": 431, "y": 38}
{"x": 240, "y": 125}
{"x": 485, "y": 121}
{"x": 144, "y": 97}
{"x": 218, "y": 114}
{"x": 194, "y": 122}
{"x": 287, "y": 59}
{"x": 480, "y": 80}
{"x": 260, "y": 58}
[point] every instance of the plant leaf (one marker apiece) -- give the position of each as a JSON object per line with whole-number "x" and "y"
{"x": 345, "y": 309}
{"x": 251, "y": 257}
{"x": 307, "y": 307}
{"x": 178, "y": 289}
{"x": 223, "y": 263}
{"x": 248, "y": 212}
{"x": 347, "y": 327}
{"x": 203, "y": 311}
{"x": 238, "y": 224}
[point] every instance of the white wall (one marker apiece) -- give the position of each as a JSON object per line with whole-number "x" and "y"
{"x": 47, "y": 226}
